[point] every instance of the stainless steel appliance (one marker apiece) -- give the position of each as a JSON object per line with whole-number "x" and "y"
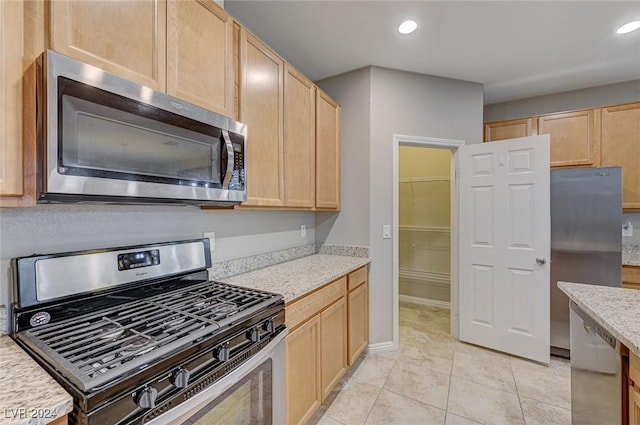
{"x": 596, "y": 372}
{"x": 140, "y": 335}
{"x": 586, "y": 238}
{"x": 102, "y": 138}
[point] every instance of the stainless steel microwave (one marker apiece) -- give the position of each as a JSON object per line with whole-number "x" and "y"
{"x": 105, "y": 139}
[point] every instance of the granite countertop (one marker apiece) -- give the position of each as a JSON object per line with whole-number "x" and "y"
{"x": 631, "y": 255}
{"x": 295, "y": 278}
{"x": 615, "y": 309}
{"x": 28, "y": 394}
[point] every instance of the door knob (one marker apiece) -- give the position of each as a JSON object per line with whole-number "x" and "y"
{"x": 541, "y": 261}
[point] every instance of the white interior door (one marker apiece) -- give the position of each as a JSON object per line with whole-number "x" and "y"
{"x": 504, "y": 246}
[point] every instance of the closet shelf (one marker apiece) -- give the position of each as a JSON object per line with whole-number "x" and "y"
{"x": 433, "y": 277}
{"x": 433, "y": 229}
{"x": 424, "y": 179}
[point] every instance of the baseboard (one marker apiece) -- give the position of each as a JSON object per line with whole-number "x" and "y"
{"x": 425, "y": 301}
{"x": 381, "y": 347}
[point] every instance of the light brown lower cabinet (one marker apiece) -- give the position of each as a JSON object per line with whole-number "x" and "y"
{"x": 358, "y": 299}
{"x": 333, "y": 345}
{"x": 631, "y": 277}
{"x": 303, "y": 372}
{"x": 60, "y": 421}
{"x": 322, "y": 325}
{"x": 634, "y": 406}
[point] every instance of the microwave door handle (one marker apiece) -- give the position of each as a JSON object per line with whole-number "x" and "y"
{"x": 227, "y": 175}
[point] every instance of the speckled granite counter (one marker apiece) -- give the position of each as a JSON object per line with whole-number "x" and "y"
{"x": 298, "y": 277}
{"x": 28, "y": 394}
{"x": 616, "y": 309}
{"x": 631, "y": 255}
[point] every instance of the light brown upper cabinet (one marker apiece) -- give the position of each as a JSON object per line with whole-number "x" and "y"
{"x": 327, "y": 152}
{"x": 127, "y": 38}
{"x": 621, "y": 146}
{"x": 299, "y": 139}
{"x": 200, "y": 55}
{"x": 261, "y": 108}
{"x": 511, "y": 129}
{"x": 575, "y": 138}
{"x": 11, "y": 68}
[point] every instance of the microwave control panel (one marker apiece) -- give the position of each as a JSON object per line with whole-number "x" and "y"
{"x": 238, "y": 175}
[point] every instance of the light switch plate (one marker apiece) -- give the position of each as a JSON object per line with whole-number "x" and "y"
{"x": 627, "y": 229}
{"x": 386, "y": 231}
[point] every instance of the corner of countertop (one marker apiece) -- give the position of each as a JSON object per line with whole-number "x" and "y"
{"x": 28, "y": 388}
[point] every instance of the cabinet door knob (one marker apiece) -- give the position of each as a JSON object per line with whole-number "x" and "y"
{"x": 541, "y": 261}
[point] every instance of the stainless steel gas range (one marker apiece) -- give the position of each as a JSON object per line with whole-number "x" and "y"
{"x": 140, "y": 335}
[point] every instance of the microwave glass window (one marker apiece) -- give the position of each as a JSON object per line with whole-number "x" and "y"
{"x": 103, "y": 141}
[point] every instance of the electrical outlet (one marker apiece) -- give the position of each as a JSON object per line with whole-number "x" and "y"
{"x": 303, "y": 230}
{"x": 627, "y": 229}
{"x": 386, "y": 231}
{"x": 212, "y": 239}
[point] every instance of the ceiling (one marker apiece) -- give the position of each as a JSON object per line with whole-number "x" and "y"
{"x": 517, "y": 49}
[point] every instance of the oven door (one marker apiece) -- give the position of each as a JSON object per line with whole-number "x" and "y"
{"x": 252, "y": 394}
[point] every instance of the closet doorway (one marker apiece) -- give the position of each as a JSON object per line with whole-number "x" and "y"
{"x": 424, "y": 225}
{"x": 425, "y": 206}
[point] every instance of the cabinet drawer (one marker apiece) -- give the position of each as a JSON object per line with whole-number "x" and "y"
{"x": 302, "y": 309}
{"x": 358, "y": 277}
{"x": 631, "y": 274}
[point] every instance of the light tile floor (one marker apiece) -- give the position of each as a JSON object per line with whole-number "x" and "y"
{"x": 434, "y": 379}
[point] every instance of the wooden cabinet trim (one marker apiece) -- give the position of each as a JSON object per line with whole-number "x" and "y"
{"x": 634, "y": 368}
{"x": 310, "y": 304}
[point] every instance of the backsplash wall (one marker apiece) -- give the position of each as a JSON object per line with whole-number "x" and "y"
{"x": 60, "y": 228}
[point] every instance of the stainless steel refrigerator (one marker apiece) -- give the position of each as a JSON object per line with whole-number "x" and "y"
{"x": 586, "y": 238}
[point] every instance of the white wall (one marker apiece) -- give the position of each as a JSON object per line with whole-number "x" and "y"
{"x": 61, "y": 228}
{"x": 610, "y": 94}
{"x": 401, "y": 103}
{"x": 351, "y": 227}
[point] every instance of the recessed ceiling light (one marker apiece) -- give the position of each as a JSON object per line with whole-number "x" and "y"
{"x": 631, "y": 26}
{"x": 407, "y": 27}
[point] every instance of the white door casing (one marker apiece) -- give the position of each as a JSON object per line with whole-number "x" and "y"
{"x": 505, "y": 227}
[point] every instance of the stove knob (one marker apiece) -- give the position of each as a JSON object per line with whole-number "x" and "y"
{"x": 181, "y": 378}
{"x": 147, "y": 398}
{"x": 253, "y": 334}
{"x": 222, "y": 354}
{"x": 269, "y": 326}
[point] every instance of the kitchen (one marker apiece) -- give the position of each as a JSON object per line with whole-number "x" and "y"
{"x": 244, "y": 233}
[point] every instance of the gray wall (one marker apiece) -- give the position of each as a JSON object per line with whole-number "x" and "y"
{"x": 565, "y": 101}
{"x": 400, "y": 103}
{"x": 60, "y": 228}
{"x": 351, "y": 227}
